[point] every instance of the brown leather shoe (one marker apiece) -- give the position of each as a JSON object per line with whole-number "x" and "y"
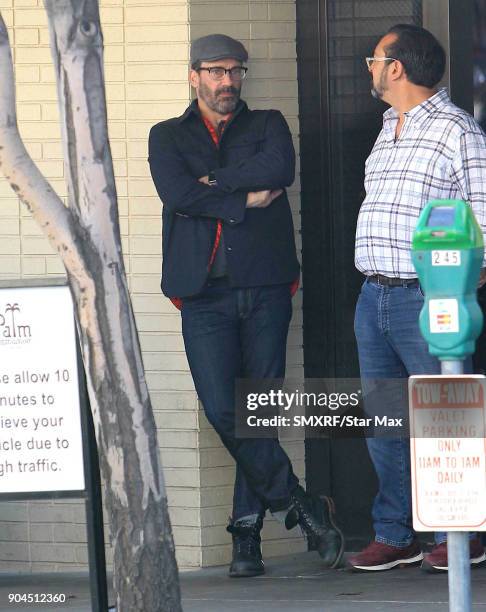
{"x": 377, "y": 557}
{"x": 436, "y": 560}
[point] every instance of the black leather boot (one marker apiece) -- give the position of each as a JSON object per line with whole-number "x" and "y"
{"x": 247, "y": 554}
{"x": 315, "y": 515}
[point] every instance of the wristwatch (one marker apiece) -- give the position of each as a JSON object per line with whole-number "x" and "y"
{"x": 212, "y": 179}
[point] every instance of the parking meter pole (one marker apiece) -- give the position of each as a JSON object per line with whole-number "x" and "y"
{"x": 458, "y": 541}
{"x": 449, "y": 368}
{"x": 447, "y": 252}
{"x": 459, "y": 571}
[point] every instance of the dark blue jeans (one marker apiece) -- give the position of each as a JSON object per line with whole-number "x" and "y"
{"x": 390, "y": 345}
{"x": 232, "y": 333}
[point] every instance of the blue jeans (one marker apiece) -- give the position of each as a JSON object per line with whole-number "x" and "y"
{"x": 232, "y": 333}
{"x": 390, "y": 345}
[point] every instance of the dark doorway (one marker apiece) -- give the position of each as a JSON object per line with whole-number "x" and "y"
{"x": 479, "y": 55}
{"x": 339, "y": 123}
{"x": 479, "y": 85}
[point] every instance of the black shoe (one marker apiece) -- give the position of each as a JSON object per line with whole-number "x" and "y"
{"x": 315, "y": 515}
{"x": 247, "y": 554}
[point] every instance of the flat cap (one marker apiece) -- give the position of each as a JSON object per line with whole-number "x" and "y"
{"x": 217, "y": 46}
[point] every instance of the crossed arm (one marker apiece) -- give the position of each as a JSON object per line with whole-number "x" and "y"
{"x": 252, "y": 183}
{"x": 254, "y": 199}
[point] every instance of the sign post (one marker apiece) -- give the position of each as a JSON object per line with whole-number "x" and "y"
{"x": 448, "y": 459}
{"x": 47, "y": 446}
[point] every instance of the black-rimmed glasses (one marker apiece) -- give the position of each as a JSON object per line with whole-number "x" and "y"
{"x": 217, "y": 73}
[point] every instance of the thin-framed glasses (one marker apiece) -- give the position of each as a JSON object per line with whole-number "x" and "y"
{"x": 217, "y": 73}
{"x": 370, "y": 60}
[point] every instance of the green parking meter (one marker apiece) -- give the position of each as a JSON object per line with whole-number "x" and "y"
{"x": 447, "y": 252}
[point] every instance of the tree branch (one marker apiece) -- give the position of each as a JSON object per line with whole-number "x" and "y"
{"x": 77, "y": 50}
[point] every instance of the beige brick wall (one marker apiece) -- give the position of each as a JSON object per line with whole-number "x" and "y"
{"x": 146, "y": 57}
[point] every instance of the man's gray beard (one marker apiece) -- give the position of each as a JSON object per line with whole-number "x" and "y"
{"x": 223, "y": 107}
{"x": 226, "y": 107}
{"x": 376, "y": 94}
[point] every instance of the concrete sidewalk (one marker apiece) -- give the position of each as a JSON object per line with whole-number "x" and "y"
{"x": 291, "y": 584}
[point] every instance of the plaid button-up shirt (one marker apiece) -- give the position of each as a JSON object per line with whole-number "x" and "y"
{"x": 439, "y": 154}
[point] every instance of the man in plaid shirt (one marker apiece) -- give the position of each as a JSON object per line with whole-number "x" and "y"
{"x": 428, "y": 149}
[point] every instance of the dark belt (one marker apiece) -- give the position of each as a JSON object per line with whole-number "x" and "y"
{"x": 379, "y": 279}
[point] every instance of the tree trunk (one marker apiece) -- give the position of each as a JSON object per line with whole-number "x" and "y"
{"x": 86, "y": 235}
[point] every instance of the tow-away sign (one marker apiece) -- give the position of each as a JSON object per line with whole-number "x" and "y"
{"x": 447, "y": 444}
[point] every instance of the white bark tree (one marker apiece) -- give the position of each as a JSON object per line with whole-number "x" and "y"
{"x": 86, "y": 235}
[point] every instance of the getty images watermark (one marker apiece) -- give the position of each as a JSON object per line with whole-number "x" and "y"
{"x": 321, "y": 408}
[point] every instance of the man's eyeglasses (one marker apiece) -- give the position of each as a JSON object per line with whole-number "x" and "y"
{"x": 217, "y": 73}
{"x": 370, "y": 60}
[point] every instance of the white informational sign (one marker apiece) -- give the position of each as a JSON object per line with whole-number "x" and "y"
{"x": 447, "y": 444}
{"x": 443, "y": 316}
{"x": 41, "y": 446}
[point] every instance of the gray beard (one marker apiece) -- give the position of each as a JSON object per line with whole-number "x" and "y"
{"x": 222, "y": 107}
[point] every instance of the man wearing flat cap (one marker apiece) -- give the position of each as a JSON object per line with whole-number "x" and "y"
{"x": 230, "y": 265}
